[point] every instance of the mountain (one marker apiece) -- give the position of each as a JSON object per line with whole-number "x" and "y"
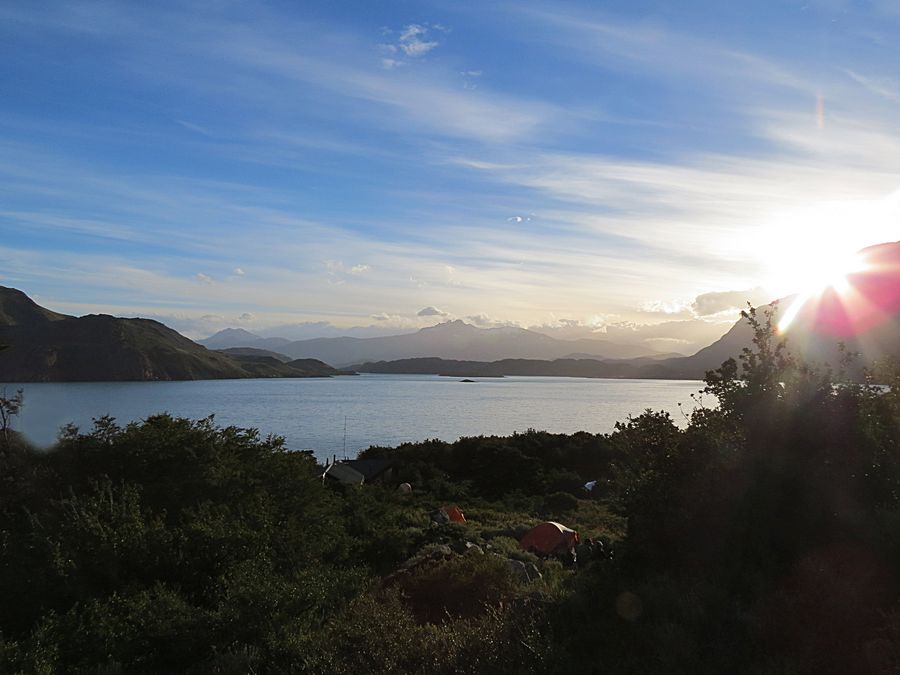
{"x": 230, "y": 337}
{"x": 457, "y": 368}
{"x": 238, "y": 337}
{"x": 449, "y": 340}
{"x": 17, "y": 309}
{"x": 43, "y": 346}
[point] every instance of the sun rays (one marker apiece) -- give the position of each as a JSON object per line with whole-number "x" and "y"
{"x": 857, "y": 300}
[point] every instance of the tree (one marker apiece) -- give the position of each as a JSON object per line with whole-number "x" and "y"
{"x": 10, "y": 406}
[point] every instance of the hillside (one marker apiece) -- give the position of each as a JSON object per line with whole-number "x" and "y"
{"x": 43, "y": 346}
{"x": 252, "y": 351}
{"x": 617, "y": 369}
{"x": 17, "y": 309}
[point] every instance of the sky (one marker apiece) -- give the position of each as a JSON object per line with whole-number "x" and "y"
{"x": 636, "y": 169}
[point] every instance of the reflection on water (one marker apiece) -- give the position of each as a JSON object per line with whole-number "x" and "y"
{"x": 379, "y": 409}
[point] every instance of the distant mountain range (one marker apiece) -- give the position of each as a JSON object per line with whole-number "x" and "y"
{"x": 37, "y": 344}
{"x": 866, "y": 320}
{"x": 43, "y": 346}
{"x": 449, "y": 340}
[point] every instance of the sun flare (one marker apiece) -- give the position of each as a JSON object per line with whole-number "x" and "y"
{"x": 818, "y": 276}
{"x": 814, "y": 274}
{"x": 816, "y": 248}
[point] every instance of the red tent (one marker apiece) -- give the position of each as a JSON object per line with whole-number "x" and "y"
{"x": 549, "y": 537}
{"x": 454, "y": 513}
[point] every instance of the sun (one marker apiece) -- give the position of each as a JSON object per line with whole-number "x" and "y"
{"x": 812, "y": 273}
{"x": 810, "y": 250}
{"x": 806, "y": 250}
{"x": 819, "y": 276}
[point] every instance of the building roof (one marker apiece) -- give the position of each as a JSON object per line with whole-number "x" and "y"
{"x": 344, "y": 473}
{"x": 369, "y": 468}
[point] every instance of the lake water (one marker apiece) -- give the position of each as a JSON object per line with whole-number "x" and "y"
{"x": 378, "y": 409}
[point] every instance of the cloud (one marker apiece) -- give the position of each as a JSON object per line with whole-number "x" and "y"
{"x": 710, "y": 304}
{"x": 670, "y": 341}
{"x": 387, "y": 325}
{"x": 485, "y": 321}
{"x": 431, "y": 311}
{"x": 328, "y": 71}
{"x": 618, "y": 225}
{"x": 470, "y": 79}
{"x": 238, "y": 271}
{"x": 883, "y": 87}
{"x": 339, "y": 273}
{"x": 204, "y": 278}
{"x": 668, "y": 309}
{"x": 413, "y": 41}
{"x": 683, "y": 336}
{"x": 194, "y": 127}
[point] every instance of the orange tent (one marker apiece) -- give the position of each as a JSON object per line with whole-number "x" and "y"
{"x": 454, "y": 514}
{"x": 549, "y": 537}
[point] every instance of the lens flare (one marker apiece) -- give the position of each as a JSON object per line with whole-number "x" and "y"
{"x": 831, "y": 276}
{"x": 860, "y": 298}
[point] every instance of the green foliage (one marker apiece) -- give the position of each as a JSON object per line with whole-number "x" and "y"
{"x": 758, "y": 537}
{"x": 462, "y": 587}
{"x": 528, "y": 464}
{"x": 560, "y": 503}
{"x": 177, "y": 546}
{"x": 10, "y": 407}
{"x": 377, "y": 633}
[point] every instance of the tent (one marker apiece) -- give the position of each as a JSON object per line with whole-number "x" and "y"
{"x": 548, "y": 538}
{"x": 454, "y": 514}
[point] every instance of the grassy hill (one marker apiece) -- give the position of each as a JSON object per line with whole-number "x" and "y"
{"x": 43, "y": 346}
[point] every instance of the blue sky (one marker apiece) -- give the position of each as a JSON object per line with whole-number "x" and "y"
{"x": 633, "y": 168}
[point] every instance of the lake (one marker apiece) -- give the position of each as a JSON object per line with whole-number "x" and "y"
{"x": 378, "y": 409}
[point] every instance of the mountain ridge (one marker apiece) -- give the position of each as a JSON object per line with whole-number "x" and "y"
{"x": 43, "y": 346}
{"x": 450, "y": 339}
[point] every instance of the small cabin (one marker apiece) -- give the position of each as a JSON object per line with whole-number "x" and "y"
{"x": 359, "y": 471}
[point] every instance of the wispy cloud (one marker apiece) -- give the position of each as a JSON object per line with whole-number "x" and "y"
{"x": 412, "y": 42}
{"x": 633, "y": 169}
{"x": 884, "y": 87}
